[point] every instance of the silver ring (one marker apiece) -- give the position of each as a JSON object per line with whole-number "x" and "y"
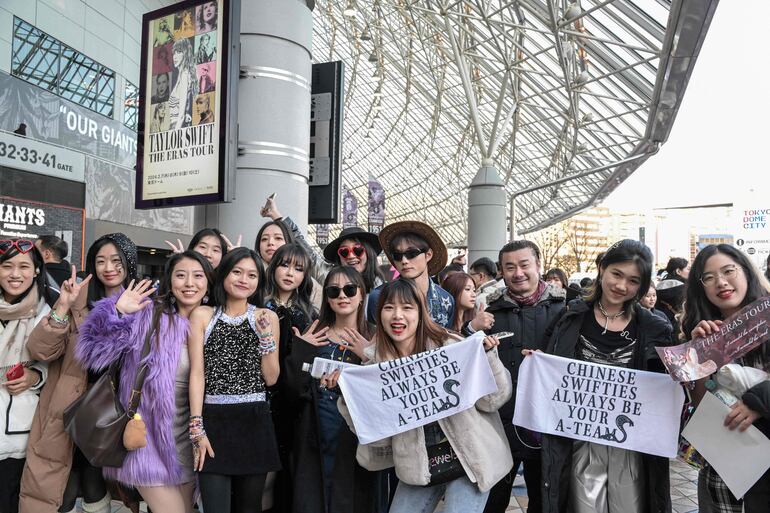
{"x": 323, "y": 386}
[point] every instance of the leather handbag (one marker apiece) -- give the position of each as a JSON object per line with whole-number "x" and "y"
{"x": 96, "y": 421}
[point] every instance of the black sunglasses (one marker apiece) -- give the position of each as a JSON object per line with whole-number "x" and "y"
{"x": 409, "y": 254}
{"x": 333, "y": 291}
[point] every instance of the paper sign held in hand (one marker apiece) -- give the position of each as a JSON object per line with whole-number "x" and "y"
{"x": 701, "y": 357}
{"x": 740, "y": 458}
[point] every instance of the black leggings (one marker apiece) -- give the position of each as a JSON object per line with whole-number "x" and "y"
{"x": 10, "y": 482}
{"x": 500, "y": 494}
{"x": 232, "y": 494}
{"x": 87, "y": 481}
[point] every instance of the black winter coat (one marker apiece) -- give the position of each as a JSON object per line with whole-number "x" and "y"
{"x": 528, "y": 325}
{"x": 353, "y": 487}
{"x": 557, "y": 451}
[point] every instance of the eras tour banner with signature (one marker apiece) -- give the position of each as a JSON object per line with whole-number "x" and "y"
{"x": 188, "y": 105}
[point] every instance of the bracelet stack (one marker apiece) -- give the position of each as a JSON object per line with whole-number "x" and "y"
{"x": 196, "y": 429}
{"x": 59, "y": 321}
{"x": 266, "y": 344}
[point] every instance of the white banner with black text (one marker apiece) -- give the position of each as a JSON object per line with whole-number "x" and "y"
{"x": 625, "y": 408}
{"x": 395, "y": 396}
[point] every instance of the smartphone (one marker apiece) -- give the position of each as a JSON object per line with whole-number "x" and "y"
{"x": 15, "y": 372}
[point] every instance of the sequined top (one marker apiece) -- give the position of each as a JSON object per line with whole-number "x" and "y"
{"x": 232, "y": 363}
{"x": 597, "y": 345}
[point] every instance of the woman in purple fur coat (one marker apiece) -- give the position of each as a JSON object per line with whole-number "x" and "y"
{"x": 162, "y": 471}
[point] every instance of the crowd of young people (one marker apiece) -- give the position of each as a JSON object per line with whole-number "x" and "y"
{"x": 234, "y": 423}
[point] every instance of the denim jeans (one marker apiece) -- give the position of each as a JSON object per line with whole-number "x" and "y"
{"x": 460, "y": 496}
{"x": 330, "y": 421}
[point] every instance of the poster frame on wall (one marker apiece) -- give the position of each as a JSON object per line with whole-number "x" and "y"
{"x": 225, "y": 137}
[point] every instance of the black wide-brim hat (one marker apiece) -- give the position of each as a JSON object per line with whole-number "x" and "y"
{"x": 439, "y": 259}
{"x": 354, "y": 232}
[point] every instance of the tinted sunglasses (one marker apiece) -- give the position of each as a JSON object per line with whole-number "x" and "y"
{"x": 24, "y": 246}
{"x": 333, "y": 291}
{"x": 356, "y": 249}
{"x": 409, "y": 254}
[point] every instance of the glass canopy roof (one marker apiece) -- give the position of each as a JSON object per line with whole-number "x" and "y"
{"x": 546, "y": 89}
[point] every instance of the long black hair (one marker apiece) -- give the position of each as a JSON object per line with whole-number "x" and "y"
{"x": 218, "y": 294}
{"x": 286, "y": 236}
{"x": 697, "y": 307}
{"x": 164, "y": 301}
{"x": 371, "y": 271}
{"x": 208, "y": 232}
{"x": 40, "y": 279}
{"x": 327, "y": 317}
{"x": 288, "y": 254}
{"x": 626, "y": 250}
{"x": 96, "y": 290}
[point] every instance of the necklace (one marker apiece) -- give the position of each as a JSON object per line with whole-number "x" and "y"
{"x": 287, "y": 304}
{"x": 608, "y": 317}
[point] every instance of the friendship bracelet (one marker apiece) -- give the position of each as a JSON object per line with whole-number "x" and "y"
{"x": 267, "y": 345}
{"x": 196, "y": 428}
{"x": 59, "y": 320}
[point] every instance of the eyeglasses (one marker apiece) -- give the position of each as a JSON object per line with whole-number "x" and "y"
{"x": 356, "y": 249}
{"x": 23, "y": 245}
{"x": 409, "y": 254}
{"x": 728, "y": 272}
{"x": 333, "y": 291}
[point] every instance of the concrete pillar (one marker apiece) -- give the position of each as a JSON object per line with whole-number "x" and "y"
{"x": 273, "y": 117}
{"x": 486, "y": 214}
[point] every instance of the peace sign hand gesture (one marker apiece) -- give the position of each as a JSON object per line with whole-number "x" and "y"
{"x": 70, "y": 289}
{"x": 174, "y": 247}
{"x": 134, "y": 298}
{"x": 230, "y": 245}
{"x": 356, "y": 342}
{"x": 312, "y": 337}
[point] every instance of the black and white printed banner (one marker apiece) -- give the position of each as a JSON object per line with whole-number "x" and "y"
{"x": 625, "y": 408}
{"x": 391, "y": 397}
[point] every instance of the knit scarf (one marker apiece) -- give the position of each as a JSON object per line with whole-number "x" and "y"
{"x": 21, "y": 321}
{"x": 531, "y": 299}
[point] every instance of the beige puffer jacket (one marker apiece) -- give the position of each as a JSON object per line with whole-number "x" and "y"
{"x": 476, "y": 436}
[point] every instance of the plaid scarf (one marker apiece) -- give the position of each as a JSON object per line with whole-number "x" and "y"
{"x": 531, "y": 299}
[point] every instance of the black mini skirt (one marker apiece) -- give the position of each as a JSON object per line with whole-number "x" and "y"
{"x": 242, "y": 437}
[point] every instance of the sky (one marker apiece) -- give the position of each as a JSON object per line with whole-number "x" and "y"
{"x": 718, "y": 147}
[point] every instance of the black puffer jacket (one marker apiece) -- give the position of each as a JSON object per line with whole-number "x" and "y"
{"x": 528, "y": 325}
{"x": 557, "y": 451}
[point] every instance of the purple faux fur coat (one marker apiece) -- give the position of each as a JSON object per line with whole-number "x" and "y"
{"x": 104, "y": 337}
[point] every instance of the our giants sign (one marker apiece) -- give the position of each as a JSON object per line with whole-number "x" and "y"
{"x": 398, "y": 395}
{"x": 624, "y": 408}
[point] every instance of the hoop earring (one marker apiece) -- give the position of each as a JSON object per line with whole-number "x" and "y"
{"x": 206, "y": 299}
{"x": 172, "y": 300}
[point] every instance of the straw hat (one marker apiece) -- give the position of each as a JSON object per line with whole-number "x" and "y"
{"x": 389, "y": 232}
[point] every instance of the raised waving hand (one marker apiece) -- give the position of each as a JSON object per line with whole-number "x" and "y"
{"x": 135, "y": 297}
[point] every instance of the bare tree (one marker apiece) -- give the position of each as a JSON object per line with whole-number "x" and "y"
{"x": 551, "y": 242}
{"x": 583, "y": 242}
